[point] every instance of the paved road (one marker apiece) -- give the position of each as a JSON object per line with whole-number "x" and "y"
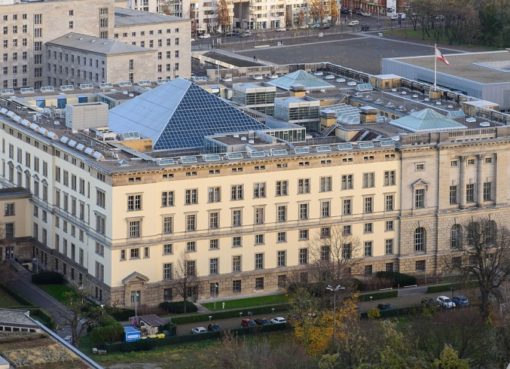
{"x": 21, "y": 284}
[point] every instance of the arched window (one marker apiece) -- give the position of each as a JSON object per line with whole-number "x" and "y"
{"x": 473, "y": 233}
{"x": 456, "y": 236}
{"x": 420, "y": 236}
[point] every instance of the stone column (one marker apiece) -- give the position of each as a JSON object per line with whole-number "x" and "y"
{"x": 479, "y": 179}
{"x": 462, "y": 181}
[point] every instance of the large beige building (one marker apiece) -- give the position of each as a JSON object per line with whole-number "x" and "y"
{"x": 27, "y": 26}
{"x": 77, "y": 59}
{"x": 243, "y": 207}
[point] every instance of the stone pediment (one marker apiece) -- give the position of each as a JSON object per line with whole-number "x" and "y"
{"x": 134, "y": 278}
{"x": 420, "y": 183}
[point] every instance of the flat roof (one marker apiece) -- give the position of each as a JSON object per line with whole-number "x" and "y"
{"x": 14, "y": 193}
{"x": 483, "y": 67}
{"x": 96, "y": 45}
{"x": 16, "y": 317}
{"x": 128, "y": 17}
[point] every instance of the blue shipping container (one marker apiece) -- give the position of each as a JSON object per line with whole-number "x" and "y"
{"x": 40, "y": 102}
{"x": 132, "y": 334}
{"x": 61, "y": 102}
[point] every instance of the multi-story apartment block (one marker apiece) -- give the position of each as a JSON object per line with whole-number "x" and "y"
{"x": 238, "y": 206}
{"x": 27, "y": 26}
{"x": 170, "y": 36}
{"x": 76, "y": 59}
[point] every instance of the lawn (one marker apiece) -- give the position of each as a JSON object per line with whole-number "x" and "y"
{"x": 248, "y": 302}
{"x": 56, "y": 290}
{"x": 9, "y": 301}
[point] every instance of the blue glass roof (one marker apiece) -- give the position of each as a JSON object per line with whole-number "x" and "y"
{"x": 300, "y": 77}
{"x": 179, "y": 114}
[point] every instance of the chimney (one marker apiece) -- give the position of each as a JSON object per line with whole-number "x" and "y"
{"x": 368, "y": 115}
{"x": 328, "y": 118}
{"x": 297, "y": 90}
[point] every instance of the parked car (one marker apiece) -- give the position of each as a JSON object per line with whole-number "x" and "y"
{"x": 384, "y": 306}
{"x": 281, "y": 30}
{"x": 198, "y": 330}
{"x": 344, "y": 11}
{"x": 213, "y": 328}
{"x": 353, "y": 23}
{"x": 279, "y": 320}
{"x": 315, "y": 25}
{"x": 366, "y": 14}
{"x": 245, "y": 34}
{"x": 262, "y": 321}
{"x": 445, "y": 302}
{"x": 245, "y": 323}
{"x": 460, "y": 300}
{"x": 326, "y": 26}
{"x": 205, "y": 35}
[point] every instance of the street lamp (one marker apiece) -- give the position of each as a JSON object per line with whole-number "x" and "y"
{"x": 334, "y": 290}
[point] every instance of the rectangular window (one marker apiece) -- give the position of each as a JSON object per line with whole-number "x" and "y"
{"x": 214, "y": 194}
{"x": 420, "y": 265}
{"x": 368, "y": 180}
{"x": 259, "y": 190}
{"x": 191, "y": 222}
{"x": 303, "y": 186}
{"x": 368, "y": 248}
{"x": 100, "y": 197}
{"x": 347, "y": 207}
{"x": 134, "y": 202}
{"x": 237, "y": 192}
{"x": 487, "y": 191}
{"x": 347, "y": 230}
{"x": 168, "y": 225}
{"x": 453, "y": 195}
{"x": 259, "y": 239}
{"x": 191, "y": 197}
{"x": 347, "y": 182}
{"x": 214, "y": 220}
{"x": 388, "y": 247}
{"x": 236, "y": 264}
{"x": 470, "y": 192}
{"x": 388, "y": 225}
{"x": 419, "y": 198}
{"x": 368, "y": 228}
{"x": 259, "y": 216}
{"x": 259, "y": 261}
{"x": 326, "y": 184}
{"x": 237, "y": 218}
{"x": 134, "y": 253}
{"x": 237, "y": 241}
{"x": 259, "y": 283}
{"x": 325, "y": 232}
{"x": 325, "y": 253}
{"x": 303, "y": 256}
{"x": 303, "y": 211}
{"x": 368, "y": 205}
{"x": 191, "y": 246}
{"x": 325, "y": 209}
{"x": 389, "y": 178}
{"x": 213, "y": 266}
{"x": 134, "y": 229}
{"x": 9, "y": 209}
{"x": 236, "y": 286}
{"x": 303, "y": 234}
{"x": 168, "y": 249}
{"x": 281, "y": 237}
{"x": 191, "y": 268}
{"x": 167, "y": 271}
{"x": 214, "y": 244}
{"x": 368, "y": 270}
{"x": 282, "y": 188}
{"x": 167, "y": 199}
{"x": 389, "y": 202}
{"x": 281, "y": 213}
{"x": 281, "y": 258}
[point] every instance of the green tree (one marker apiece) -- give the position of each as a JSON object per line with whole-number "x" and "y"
{"x": 449, "y": 359}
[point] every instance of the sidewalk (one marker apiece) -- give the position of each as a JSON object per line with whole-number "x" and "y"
{"x": 21, "y": 284}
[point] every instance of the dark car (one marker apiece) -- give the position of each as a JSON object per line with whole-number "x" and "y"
{"x": 262, "y": 321}
{"x": 344, "y": 11}
{"x": 245, "y": 323}
{"x": 213, "y": 328}
{"x": 383, "y": 307}
{"x": 460, "y": 300}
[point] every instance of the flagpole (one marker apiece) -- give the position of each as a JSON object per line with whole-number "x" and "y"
{"x": 435, "y": 67}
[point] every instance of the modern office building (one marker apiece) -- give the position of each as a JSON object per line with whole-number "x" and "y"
{"x": 130, "y": 214}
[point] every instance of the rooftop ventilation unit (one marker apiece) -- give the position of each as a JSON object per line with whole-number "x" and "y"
{"x": 43, "y": 131}
{"x": 279, "y": 152}
{"x": 235, "y": 155}
{"x": 105, "y": 85}
{"x": 163, "y": 162}
{"x": 211, "y": 157}
{"x": 26, "y": 90}
{"x": 88, "y": 151}
{"x": 67, "y": 88}
{"x": 344, "y": 146}
{"x": 86, "y": 86}
{"x": 52, "y": 135}
{"x": 25, "y": 122}
{"x": 7, "y": 92}
{"x": 387, "y": 143}
{"x": 3, "y": 111}
{"x": 34, "y": 127}
{"x": 72, "y": 143}
{"x": 471, "y": 120}
{"x": 302, "y": 150}
{"x": 125, "y": 84}
{"x": 485, "y": 124}
{"x": 188, "y": 159}
{"x": 97, "y": 155}
{"x": 64, "y": 139}
{"x": 47, "y": 89}
{"x": 323, "y": 148}
{"x": 80, "y": 147}
{"x": 365, "y": 145}
{"x": 144, "y": 83}
{"x": 257, "y": 154}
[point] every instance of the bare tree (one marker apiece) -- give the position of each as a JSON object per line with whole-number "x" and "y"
{"x": 186, "y": 278}
{"x": 80, "y": 314}
{"x": 486, "y": 258}
{"x": 334, "y": 250}
{"x": 223, "y": 15}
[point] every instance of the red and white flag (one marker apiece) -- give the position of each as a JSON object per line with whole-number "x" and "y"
{"x": 441, "y": 57}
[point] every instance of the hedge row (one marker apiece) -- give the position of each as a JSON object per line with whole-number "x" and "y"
{"x": 391, "y": 313}
{"x": 449, "y": 286}
{"x": 149, "y": 344}
{"x": 47, "y": 277}
{"x": 379, "y": 295}
{"x": 397, "y": 279}
{"x": 178, "y": 307}
{"x": 120, "y": 314}
{"x": 230, "y": 314}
